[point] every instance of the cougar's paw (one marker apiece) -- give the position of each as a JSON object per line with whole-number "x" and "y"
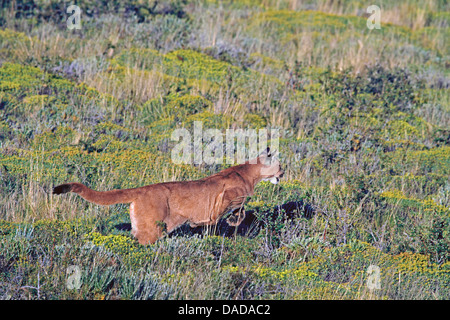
{"x": 235, "y": 219}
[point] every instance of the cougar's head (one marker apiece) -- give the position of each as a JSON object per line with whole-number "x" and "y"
{"x": 271, "y": 169}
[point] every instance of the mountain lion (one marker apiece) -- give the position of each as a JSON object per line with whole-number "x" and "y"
{"x": 199, "y": 202}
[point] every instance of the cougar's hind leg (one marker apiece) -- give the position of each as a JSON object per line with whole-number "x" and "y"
{"x": 133, "y": 219}
{"x": 144, "y": 223}
{"x": 150, "y": 234}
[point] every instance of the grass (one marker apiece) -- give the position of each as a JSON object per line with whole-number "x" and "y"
{"x": 363, "y": 117}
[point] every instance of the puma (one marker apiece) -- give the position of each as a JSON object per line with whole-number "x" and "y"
{"x": 199, "y": 202}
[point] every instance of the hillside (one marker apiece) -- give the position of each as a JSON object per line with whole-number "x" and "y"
{"x": 363, "y": 117}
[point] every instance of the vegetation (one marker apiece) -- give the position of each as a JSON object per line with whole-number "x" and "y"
{"x": 363, "y": 116}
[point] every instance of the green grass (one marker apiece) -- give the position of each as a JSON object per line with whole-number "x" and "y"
{"x": 363, "y": 117}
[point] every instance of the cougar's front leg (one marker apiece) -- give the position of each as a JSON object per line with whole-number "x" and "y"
{"x": 236, "y": 217}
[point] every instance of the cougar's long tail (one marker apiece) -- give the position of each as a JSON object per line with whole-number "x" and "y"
{"x": 98, "y": 197}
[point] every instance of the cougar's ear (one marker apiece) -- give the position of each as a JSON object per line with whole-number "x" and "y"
{"x": 266, "y": 153}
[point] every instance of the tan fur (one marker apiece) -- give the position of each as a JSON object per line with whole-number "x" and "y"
{"x": 199, "y": 202}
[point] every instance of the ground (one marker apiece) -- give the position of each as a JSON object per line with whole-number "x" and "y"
{"x": 362, "y": 211}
